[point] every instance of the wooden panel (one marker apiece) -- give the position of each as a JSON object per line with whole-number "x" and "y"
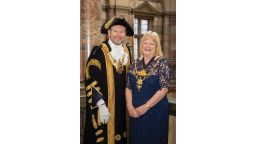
{"x": 172, "y": 130}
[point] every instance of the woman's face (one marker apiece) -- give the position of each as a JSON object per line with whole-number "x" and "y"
{"x": 117, "y": 34}
{"x": 149, "y": 48}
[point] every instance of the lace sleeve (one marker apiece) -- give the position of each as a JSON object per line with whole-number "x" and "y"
{"x": 164, "y": 73}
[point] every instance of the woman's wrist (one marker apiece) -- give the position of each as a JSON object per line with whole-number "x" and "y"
{"x": 129, "y": 105}
{"x": 147, "y": 106}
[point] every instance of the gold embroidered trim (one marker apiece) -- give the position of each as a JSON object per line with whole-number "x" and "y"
{"x": 90, "y": 100}
{"x": 98, "y": 90}
{"x": 89, "y": 93}
{"x": 94, "y": 122}
{"x": 98, "y": 132}
{"x": 99, "y": 122}
{"x": 118, "y": 137}
{"x": 89, "y": 88}
{"x": 100, "y": 139}
{"x": 111, "y": 95}
{"x": 124, "y": 134}
{"x": 93, "y": 107}
{"x": 109, "y": 23}
{"x": 91, "y": 85}
{"x": 93, "y": 62}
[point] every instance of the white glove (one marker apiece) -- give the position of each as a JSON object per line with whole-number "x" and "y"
{"x": 103, "y": 111}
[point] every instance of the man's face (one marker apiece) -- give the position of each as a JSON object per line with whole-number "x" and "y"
{"x": 117, "y": 34}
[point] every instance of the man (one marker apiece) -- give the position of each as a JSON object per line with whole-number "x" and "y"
{"x": 105, "y": 83}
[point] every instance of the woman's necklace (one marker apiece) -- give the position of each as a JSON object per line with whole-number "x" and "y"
{"x": 142, "y": 75}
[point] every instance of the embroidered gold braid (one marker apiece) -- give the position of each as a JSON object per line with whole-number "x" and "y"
{"x": 106, "y": 26}
{"x": 100, "y": 139}
{"x": 89, "y": 92}
{"x": 98, "y": 132}
{"x": 93, "y": 62}
{"x": 94, "y": 122}
{"x": 111, "y": 95}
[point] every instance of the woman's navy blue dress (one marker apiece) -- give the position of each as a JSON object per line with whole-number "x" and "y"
{"x": 152, "y": 127}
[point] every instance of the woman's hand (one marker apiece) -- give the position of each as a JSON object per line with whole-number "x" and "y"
{"x": 141, "y": 109}
{"x": 132, "y": 111}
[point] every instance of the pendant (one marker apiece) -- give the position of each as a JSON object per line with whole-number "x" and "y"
{"x": 119, "y": 67}
{"x": 142, "y": 73}
{"x": 139, "y": 83}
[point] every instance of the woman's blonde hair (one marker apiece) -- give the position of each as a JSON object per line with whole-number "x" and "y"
{"x": 155, "y": 37}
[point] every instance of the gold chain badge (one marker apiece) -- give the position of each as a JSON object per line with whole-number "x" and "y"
{"x": 142, "y": 75}
{"x": 118, "y": 64}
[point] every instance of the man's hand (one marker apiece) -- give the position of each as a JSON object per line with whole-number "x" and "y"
{"x": 103, "y": 112}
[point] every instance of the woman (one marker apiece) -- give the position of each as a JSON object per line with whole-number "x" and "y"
{"x": 147, "y": 87}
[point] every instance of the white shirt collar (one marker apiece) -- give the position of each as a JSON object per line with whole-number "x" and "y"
{"x": 117, "y": 51}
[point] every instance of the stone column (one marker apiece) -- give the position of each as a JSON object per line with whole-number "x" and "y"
{"x": 165, "y": 39}
{"x": 90, "y": 23}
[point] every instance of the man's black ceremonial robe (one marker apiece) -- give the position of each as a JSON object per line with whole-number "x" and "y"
{"x": 102, "y": 81}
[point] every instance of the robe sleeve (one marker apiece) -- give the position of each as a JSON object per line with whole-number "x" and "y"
{"x": 93, "y": 76}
